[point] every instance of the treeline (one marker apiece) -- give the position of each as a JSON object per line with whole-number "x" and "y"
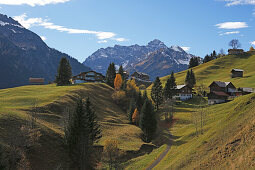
{"x": 140, "y": 111}
{"x": 195, "y": 61}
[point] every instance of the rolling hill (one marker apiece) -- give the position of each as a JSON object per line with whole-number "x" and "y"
{"x": 220, "y": 70}
{"x": 227, "y": 141}
{"x": 52, "y": 102}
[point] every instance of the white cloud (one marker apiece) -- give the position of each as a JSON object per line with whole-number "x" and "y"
{"x": 231, "y": 32}
{"x": 102, "y": 41}
{"x": 186, "y": 48}
{"x": 239, "y": 2}
{"x": 30, "y": 22}
{"x": 253, "y": 43}
{"x": 31, "y": 2}
{"x": 232, "y": 25}
{"x": 121, "y": 39}
{"x": 43, "y": 38}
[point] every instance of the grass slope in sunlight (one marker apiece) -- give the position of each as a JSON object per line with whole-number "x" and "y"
{"x": 53, "y": 101}
{"x": 220, "y": 70}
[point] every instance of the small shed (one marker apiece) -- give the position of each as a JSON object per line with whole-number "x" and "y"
{"x": 235, "y": 51}
{"x": 237, "y": 73}
{"x": 36, "y": 81}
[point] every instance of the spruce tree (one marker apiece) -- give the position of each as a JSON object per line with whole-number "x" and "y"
{"x": 148, "y": 121}
{"x": 157, "y": 92}
{"x": 170, "y": 87}
{"x": 145, "y": 96}
{"x": 110, "y": 75}
{"x": 187, "y": 79}
{"x": 121, "y": 72}
{"x": 64, "y": 74}
{"x": 192, "y": 79}
{"x": 93, "y": 126}
{"x": 131, "y": 109}
{"x": 81, "y": 133}
{"x": 139, "y": 101}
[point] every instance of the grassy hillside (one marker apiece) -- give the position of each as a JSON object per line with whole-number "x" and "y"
{"x": 220, "y": 70}
{"x": 53, "y": 101}
{"x": 227, "y": 141}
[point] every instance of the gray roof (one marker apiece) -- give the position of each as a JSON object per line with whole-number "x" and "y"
{"x": 238, "y": 70}
{"x": 180, "y": 86}
{"x": 246, "y": 89}
{"x": 222, "y": 84}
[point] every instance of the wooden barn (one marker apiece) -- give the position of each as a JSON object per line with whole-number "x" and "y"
{"x": 235, "y": 51}
{"x": 36, "y": 81}
{"x": 141, "y": 79}
{"x": 217, "y": 97}
{"x": 90, "y": 76}
{"x": 220, "y": 92}
{"x": 237, "y": 73}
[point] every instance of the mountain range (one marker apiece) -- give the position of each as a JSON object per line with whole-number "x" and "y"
{"x": 155, "y": 59}
{"x": 23, "y": 54}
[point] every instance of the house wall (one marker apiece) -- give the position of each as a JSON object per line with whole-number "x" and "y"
{"x": 215, "y": 87}
{"x": 183, "y": 97}
{"x": 237, "y": 74}
{"x": 216, "y": 101}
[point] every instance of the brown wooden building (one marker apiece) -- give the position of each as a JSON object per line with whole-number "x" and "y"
{"x": 141, "y": 79}
{"x": 90, "y": 76}
{"x": 36, "y": 81}
{"x": 237, "y": 73}
{"x": 235, "y": 51}
{"x": 183, "y": 92}
{"x": 216, "y": 97}
{"x": 226, "y": 87}
{"x": 220, "y": 92}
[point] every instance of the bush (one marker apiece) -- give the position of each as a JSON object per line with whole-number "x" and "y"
{"x": 120, "y": 98}
{"x": 112, "y": 153}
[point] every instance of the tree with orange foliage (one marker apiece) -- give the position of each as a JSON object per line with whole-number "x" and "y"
{"x": 252, "y": 49}
{"x": 135, "y": 117}
{"x": 118, "y": 82}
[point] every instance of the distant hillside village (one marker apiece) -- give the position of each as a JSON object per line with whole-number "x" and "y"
{"x": 219, "y": 92}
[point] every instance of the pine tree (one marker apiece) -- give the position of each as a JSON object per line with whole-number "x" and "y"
{"x": 94, "y": 128}
{"x": 148, "y": 121}
{"x": 81, "y": 133}
{"x": 192, "y": 79}
{"x": 110, "y": 75}
{"x": 170, "y": 87}
{"x": 145, "y": 96}
{"x": 139, "y": 101}
{"x": 121, "y": 72}
{"x": 131, "y": 109}
{"x": 194, "y": 61}
{"x": 157, "y": 92}
{"x": 64, "y": 72}
{"x": 187, "y": 79}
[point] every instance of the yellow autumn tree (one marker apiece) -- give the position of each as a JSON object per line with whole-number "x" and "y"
{"x": 135, "y": 117}
{"x": 118, "y": 82}
{"x": 111, "y": 153}
{"x": 131, "y": 87}
{"x": 252, "y": 49}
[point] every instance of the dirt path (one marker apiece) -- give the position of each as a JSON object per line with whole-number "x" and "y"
{"x": 161, "y": 156}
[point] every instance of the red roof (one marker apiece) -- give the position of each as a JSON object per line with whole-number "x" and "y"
{"x": 220, "y": 93}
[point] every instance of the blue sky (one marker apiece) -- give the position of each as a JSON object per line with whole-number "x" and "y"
{"x": 80, "y": 27}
